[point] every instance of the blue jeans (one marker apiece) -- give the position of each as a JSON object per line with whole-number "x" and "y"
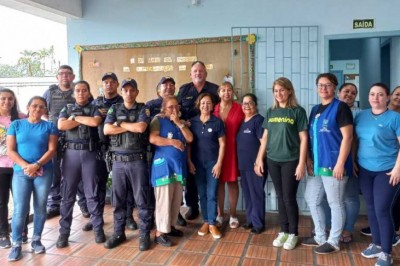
{"x": 316, "y": 189}
{"x": 22, "y": 187}
{"x": 351, "y": 204}
{"x": 207, "y": 186}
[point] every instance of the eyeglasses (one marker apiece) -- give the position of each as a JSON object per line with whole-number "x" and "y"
{"x": 171, "y": 107}
{"x": 65, "y": 73}
{"x": 326, "y": 86}
{"x": 41, "y": 107}
{"x": 248, "y": 104}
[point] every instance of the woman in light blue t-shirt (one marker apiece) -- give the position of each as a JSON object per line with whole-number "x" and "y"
{"x": 31, "y": 143}
{"x": 378, "y": 134}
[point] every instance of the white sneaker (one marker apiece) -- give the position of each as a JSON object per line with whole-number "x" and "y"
{"x": 280, "y": 240}
{"x": 291, "y": 242}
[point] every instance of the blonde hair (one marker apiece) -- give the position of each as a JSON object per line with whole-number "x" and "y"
{"x": 287, "y": 84}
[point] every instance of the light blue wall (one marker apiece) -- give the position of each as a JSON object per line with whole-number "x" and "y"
{"x": 120, "y": 21}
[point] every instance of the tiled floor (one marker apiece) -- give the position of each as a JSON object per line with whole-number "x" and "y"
{"x": 236, "y": 247}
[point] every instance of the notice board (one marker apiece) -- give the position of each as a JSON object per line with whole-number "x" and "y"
{"x": 147, "y": 62}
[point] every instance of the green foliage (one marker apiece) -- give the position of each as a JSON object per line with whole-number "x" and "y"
{"x": 32, "y": 63}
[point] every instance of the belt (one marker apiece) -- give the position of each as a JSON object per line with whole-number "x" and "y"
{"x": 77, "y": 146}
{"x": 128, "y": 157}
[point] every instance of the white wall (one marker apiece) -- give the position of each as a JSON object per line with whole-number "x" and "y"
{"x": 121, "y": 21}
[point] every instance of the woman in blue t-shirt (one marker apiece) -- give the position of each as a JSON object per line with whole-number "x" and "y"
{"x": 31, "y": 143}
{"x": 248, "y": 141}
{"x": 378, "y": 134}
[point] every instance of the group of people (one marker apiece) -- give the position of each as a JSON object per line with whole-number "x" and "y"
{"x": 196, "y": 142}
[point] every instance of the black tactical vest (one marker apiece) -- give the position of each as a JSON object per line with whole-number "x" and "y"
{"x": 128, "y": 142}
{"x": 81, "y": 132}
{"x": 58, "y": 99}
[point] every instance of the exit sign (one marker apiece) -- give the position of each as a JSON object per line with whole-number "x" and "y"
{"x": 363, "y": 23}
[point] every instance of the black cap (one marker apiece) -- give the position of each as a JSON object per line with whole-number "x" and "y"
{"x": 165, "y": 79}
{"x": 129, "y": 81}
{"x": 109, "y": 75}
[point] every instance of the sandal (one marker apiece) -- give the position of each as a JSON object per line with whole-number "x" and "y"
{"x": 346, "y": 239}
{"x": 233, "y": 222}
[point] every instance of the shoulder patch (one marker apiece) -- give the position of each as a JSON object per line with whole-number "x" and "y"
{"x": 64, "y": 109}
{"x": 110, "y": 111}
{"x": 147, "y": 110}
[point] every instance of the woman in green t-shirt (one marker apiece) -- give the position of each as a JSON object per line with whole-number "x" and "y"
{"x": 285, "y": 139}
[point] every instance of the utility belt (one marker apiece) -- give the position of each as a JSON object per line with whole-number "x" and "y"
{"x": 128, "y": 157}
{"x": 79, "y": 146}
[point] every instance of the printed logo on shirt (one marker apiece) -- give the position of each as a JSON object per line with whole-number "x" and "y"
{"x": 281, "y": 120}
{"x": 210, "y": 130}
{"x": 189, "y": 97}
{"x": 325, "y": 126}
{"x": 247, "y": 131}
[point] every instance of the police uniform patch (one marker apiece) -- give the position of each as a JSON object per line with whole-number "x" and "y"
{"x": 110, "y": 111}
{"x": 64, "y": 109}
{"x": 147, "y": 110}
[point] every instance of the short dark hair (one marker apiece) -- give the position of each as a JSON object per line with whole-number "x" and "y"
{"x": 252, "y": 96}
{"x": 332, "y": 78}
{"x": 65, "y": 67}
{"x": 383, "y": 86}
{"x": 348, "y": 84}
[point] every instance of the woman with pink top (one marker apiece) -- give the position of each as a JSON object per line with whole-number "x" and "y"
{"x": 9, "y": 112}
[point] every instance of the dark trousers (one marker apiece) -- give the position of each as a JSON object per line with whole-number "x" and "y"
{"x": 285, "y": 183}
{"x": 134, "y": 175}
{"x": 191, "y": 194}
{"x": 102, "y": 175}
{"x": 254, "y": 197}
{"x": 6, "y": 175}
{"x": 79, "y": 165}
{"x": 380, "y": 197}
{"x": 396, "y": 214}
{"x": 54, "y": 198}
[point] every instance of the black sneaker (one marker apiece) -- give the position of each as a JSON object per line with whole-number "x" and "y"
{"x": 175, "y": 232}
{"x": 85, "y": 211}
{"x": 163, "y": 240}
{"x": 87, "y": 227}
{"x": 192, "y": 214}
{"x": 366, "y": 231}
{"x": 52, "y": 213}
{"x": 247, "y": 226}
{"x": 181, "y": 221}
{"x": 99, "y": 236}
{"x": 256, "y": 230}
{"x": 115, "y": 241}
{"x": 5, "y": 242}
{"x": 144, "y": 242}
{"x": 131, "y": 223}
{"x": 311, "y": 242}
{"x": 62, "y": 241}
{"x": 326, "y": 248}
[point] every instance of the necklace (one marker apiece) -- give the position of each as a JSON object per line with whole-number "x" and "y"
{"x": 224, "y": 109}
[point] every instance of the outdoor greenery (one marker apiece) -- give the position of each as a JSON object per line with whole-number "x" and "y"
{"x": 32, "y": 63}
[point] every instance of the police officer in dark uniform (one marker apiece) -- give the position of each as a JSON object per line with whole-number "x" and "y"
{"x": 166, "y": 87}
{"x": 103, "y": 102}
{"x": 80, "y": 121}
{"x": 58, "y": 96}
{"x": 187, "y": 97}
{"x": 126, "y": 124}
